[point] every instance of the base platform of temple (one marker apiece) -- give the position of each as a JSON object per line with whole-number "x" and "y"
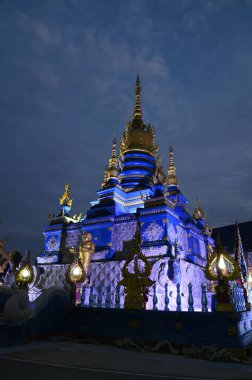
{"x": 225, "y": 329}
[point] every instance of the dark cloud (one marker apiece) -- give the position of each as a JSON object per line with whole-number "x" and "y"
{"x": 67, "y": 73}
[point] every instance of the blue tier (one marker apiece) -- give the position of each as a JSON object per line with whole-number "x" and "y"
{"x": 138, "y": 170}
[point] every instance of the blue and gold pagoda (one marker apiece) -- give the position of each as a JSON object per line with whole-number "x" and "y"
{"x": 135, "y": 192}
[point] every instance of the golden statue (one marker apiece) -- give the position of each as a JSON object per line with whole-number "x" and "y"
{"x": 136, "y": 283}
{"x": 86, "y": 251}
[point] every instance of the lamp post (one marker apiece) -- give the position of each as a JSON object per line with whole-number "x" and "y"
{"x": 24, "y": 274}
{"x": 74, "y": 275}
{"x": 222, "y": 268}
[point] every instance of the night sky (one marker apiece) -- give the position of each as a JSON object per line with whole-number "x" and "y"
{"x": 67, "y": 74}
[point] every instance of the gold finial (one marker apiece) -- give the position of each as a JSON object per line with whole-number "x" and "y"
{"x": 171, "y": 179}
{"x": 112, "y": 168}
{"x": 106, "y": 176}
{"x": 198, "y": 212}
{"x": 113, "y": 155}
{"x": 137, "y": 113}
{"x": 66, "y": 199}
{"x": 159, "y": 176}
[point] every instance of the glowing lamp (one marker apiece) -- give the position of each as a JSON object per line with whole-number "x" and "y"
{"x": 24, "y": 274}
{"x": 75, "y": 272}
{"x": 221, "y": 263}
{"x": 222, "y": 268}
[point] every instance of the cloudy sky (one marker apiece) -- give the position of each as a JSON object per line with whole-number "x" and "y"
{"x": 67, "y": 74}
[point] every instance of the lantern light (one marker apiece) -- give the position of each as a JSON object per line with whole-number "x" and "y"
{"x": 75, "y": 272}
{"x": 221, "y": 263}
{"x": 221, "y": 267}
{"x": 25, "y": 274}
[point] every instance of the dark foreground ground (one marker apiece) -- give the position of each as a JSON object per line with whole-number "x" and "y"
{"x": 70, "y": 360}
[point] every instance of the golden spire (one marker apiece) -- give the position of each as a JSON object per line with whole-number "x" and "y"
{"x": 171, "y": 179}
{"x": 137, "y": 113}
{"x": 106, "y": 176}
{"x": 113, "y": 161}
{"x": 66, "y": 199}
{"x": 113, "y": 155}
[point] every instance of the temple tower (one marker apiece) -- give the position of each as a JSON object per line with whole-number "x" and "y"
{"x": 137, "y": 151}
{"x": 135, "y": 193}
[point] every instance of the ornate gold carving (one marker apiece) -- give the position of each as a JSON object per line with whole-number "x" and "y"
{"x": 66, "y": 199}
{"x": 159, "y": 176}
{"x": 210, "y": 250}
{"x": 76, "y": 218}
{"x": 137, "y": 282}
{"x": 198, "y": 212}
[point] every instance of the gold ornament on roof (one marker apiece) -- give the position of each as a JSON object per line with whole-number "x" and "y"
{"x": 113, "y": 162}
{"x": 66, "y": 199}
{"x": 137, "y": 113}
{"x": 198, "y": 212}
{"x": 171, "y": 178}
{"x": 111, "y": 170}
{"x": 106, "y": 176}
{"x": 159, "y": 176}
